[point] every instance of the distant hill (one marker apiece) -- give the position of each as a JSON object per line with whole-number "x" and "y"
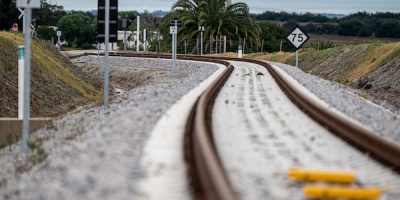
{"x": 331, "y": 15}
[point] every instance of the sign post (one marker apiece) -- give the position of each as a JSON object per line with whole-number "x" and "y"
{"x": 144, "y": 40}
{"x": 137, "y": 33}
{"x": 173, "y": 28}
{"x": 21, "y": 65}
{"x": 28, "y": 5}
{"x": 59, "y": 41}
{"x": 240, "y": 51}
{"x": 107, "y": 24}
{"x": 297, "y": 38}
{"x": 201, "y": 29}
{"x": 23, "y": 19}
{"x": 124, "y": 25}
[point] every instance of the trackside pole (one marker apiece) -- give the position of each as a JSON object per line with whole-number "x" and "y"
{"x": 173, "y": 53}
{"x": 297, "y": 58}
{"x": 106, "y": 41}
{"x": 21, "y": 66}
{"x": 137, "y": 33}
{"x": 27, "y": 81}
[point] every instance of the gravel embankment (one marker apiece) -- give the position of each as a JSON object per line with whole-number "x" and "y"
{"x": 95, "y": 153}
{"x": 348, "y": 101}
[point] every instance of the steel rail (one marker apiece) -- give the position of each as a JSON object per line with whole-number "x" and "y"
{"x": 215, "y": 186}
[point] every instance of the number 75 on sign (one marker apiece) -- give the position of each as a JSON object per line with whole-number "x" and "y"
{"x": 297, "y": 37}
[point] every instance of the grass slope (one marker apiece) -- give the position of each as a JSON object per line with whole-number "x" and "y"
{"x": 377, "y": 62}
{"x": 57, "y": 86}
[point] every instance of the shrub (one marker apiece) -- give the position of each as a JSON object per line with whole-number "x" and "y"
{"x": 86, "y": 46}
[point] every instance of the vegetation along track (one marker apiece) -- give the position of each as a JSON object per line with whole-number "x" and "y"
{"x": 210, "y": 180}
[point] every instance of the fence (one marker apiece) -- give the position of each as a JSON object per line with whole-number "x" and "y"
{"x": 215, "y": 45}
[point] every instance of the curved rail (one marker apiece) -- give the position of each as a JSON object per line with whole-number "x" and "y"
{"x": 214, "y": 183}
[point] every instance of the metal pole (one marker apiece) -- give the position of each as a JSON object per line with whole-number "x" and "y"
{"x": 224, "y": 43}
{"x": 297, "y": 58}
{"x": 27, "y": 81}
{"x": 175, "y": 41}
{"x": 173, "y": 51}
{"x": 106, "y": 41}
{"x": 280, "y": 49}
{"x": 125, "y": 39}
{"x": 244, "y": 45}
{"x": 185, "y": 47}
{"x": 59, "y": 44}
{"x": 262, "y": 45}
{"x": 23, "y": 23}
{"x": 98, "y": 52}
{"x": 137, "y": 33}
{"x": 201, "y": 43}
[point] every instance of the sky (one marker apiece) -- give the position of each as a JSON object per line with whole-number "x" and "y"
{"x": 256, "y": 6}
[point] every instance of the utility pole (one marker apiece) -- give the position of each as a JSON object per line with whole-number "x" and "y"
{"x": 124, "y": 26}
{"x": 137, "y": 33}
{"x": 28, "y": 5}
{"x": 201, "y": 29}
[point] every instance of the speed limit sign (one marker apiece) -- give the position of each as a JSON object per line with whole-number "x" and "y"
{"x": 297, "y": 37}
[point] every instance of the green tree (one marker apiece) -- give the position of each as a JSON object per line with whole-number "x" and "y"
{"x": 217, "y": 18}
{"x": 8, "y": 15}
{"x": 45, "y": 32}
{"x": 77, "y": 29}
{"x": 352, "y": 27}
{"x": 272, "y": 34}
{"x": 48, "y": 14}
{"x": 389, "y": 28}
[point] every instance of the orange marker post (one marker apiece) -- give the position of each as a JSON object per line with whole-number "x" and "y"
{"x": 321, "y": 175}
{"x": 323, "y": 191}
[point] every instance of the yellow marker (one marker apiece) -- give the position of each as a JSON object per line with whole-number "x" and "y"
{"x": 320, "y": 175}
{"x": 322, "y": 191}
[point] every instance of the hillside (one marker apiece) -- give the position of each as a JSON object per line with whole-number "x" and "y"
{"x": 57, "y": 86}
{"x": 374, "y": 68}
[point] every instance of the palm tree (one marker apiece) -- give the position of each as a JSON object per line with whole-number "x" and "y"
{"x": 219, "y": 18}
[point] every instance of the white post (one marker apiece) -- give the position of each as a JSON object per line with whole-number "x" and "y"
{"x": 297, "y": 58}
{"x": 137, "y": 33}
{"x": 240, "y": 51}
{"x": 175, "y": 46}
{"x": 27, "y": 82}
{"x": 125, "y": 39}
{"x": 173, "y": 52}
{"x": 21, "y": 65}
{"x": 106, "y": 42}
{"x": 144, "y": 40}
{"x": 224, "y": 43}
{"x": 280, "y": 49}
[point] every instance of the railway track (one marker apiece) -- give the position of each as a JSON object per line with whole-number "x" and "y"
{"x": 208, "y": 175}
